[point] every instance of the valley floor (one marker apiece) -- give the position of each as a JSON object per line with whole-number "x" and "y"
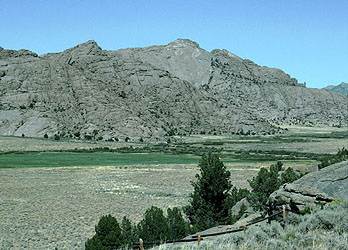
{"x": 48, "y": 207}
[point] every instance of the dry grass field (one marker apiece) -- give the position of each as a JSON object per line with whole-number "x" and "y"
{"x": 48, "y": 207}
{"x": 58, "y": 207}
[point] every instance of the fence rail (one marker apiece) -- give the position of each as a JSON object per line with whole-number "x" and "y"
{"x": 198, "y": 238}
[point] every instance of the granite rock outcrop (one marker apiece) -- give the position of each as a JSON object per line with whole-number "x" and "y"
{"x": 320, "y": 187}
{"x": 153, "y": 92}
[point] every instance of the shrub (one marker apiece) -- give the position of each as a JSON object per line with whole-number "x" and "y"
{"x": 288, "y": 176}
{"x": 88, "y": 137}
{"x": 57, "y": 137}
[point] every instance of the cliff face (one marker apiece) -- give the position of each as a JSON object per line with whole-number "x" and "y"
{"x": 152, "y": 92}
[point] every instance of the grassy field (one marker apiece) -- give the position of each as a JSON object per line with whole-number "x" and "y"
{"x": 66, "y": 159}
{"x": 53, "y": 192}
{"x": 297, "y": 146}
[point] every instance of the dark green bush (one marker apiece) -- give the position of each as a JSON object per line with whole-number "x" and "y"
{"x": 268, "y": 181}
{"x": 56, "y": 137}
{"x": 108, "y": 235}
{"x": 178, "y": 227}
{"x": 154, "y": 226}
{"x": 263, "y": 185}
{"x": 129, "y": 232}
{"x": 289, "y": 175}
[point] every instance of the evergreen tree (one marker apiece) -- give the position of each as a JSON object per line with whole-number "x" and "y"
{"x": 129, "y": 232}
{"x": 94, "y": 244}
{"x": 178, "y": 227}
{"x": 154, "y": 226}
{"x": 268, "y": 181}
{"x": 108, "y": 235}
{"x": 289, "y": 175}
{"x": 263, "y": 185}
{"x": 210, "y": 201}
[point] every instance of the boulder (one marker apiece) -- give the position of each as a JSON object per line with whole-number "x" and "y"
{"x": 223, "y": 228}
{"x": 332, "y": 180}
{"x": 298, "y": 196}
{"x": 321, "y": 187}
{"x": 236, "y": 208}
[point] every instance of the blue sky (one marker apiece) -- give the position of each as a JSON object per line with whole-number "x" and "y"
{"x": 308, "y": 39}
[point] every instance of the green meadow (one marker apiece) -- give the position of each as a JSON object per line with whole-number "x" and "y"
{"x": 296, "y": 146}
{"x": 66, "y": 159}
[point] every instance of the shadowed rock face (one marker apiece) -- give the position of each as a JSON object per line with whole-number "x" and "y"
{"x": 151, "y": 92}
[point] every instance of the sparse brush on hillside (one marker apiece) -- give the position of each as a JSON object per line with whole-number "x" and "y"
{"x": 325, "y": 228}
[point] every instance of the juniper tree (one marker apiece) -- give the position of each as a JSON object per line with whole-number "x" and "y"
{"x": 129, "y": 232}
{"x": 178, "y": 227}
{"x": 266, "y": 182}
{"x": 210, "y": 201}
{"x": 108, "y": 235}
{"x": 154, "y": 226}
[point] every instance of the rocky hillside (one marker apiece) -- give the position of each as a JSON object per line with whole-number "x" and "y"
{"x": 341, "y": 88}
{"x": 153, "y": 92}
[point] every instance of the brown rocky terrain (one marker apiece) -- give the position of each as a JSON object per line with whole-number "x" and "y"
{"x": 153, "y": 92}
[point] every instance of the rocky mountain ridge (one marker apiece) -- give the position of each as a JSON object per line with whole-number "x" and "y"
{"x": 153, "y": 92}
{"x": 342, "y": 88}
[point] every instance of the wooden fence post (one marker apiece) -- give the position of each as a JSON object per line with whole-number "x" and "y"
{"x": 284, "y": 213}
{"x": 141, "y": 244}
{"x": 199, "y": 239}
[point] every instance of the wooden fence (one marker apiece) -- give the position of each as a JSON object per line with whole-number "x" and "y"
{"x": 198, "y": 238}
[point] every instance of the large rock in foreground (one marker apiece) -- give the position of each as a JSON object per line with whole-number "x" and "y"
{"x": 332, "y": 180}
{"x": 323, "y": 186}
